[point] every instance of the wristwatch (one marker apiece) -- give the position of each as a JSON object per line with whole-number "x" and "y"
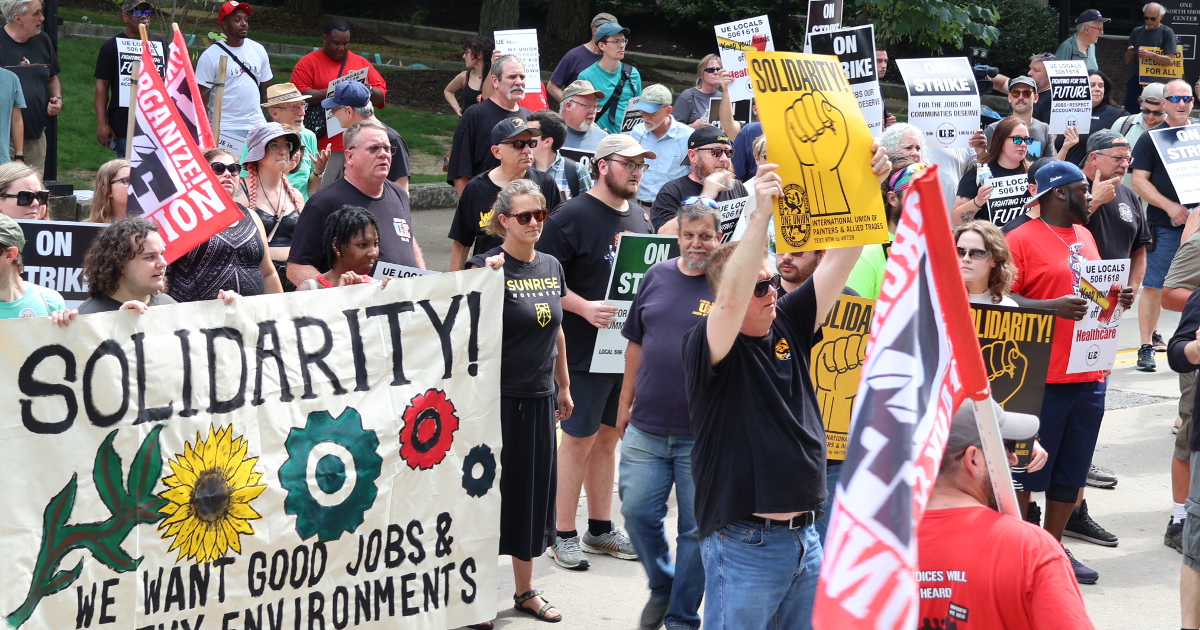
{"x": 19, "y": 157}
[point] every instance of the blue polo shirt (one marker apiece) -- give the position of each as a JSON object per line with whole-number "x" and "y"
{"x": 669, "y": 152}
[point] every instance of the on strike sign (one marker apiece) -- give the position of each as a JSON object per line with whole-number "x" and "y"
{"x": 943, "y": 100}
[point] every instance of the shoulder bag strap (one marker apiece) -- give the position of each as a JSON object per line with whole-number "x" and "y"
{"x": 239, "y": 62}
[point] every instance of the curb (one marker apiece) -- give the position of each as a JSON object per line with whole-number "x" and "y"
{"x": 434, "y": 196}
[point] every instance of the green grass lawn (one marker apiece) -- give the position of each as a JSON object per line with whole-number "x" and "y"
{"x": 79, "y": 154}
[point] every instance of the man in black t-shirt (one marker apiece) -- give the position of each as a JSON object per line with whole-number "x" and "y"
{"x": 1166, "y": 215}
{"x": 27, "y": 51}
{"x": 582, "y": 235}
{"x": 1120, "y": 230}
{"x": 513, "y": 142}
{"x": 759, "y": 455}
{"x": 710, "y": 154}
{"x": 113, "y": 67}
{"x": 471, "y": 153}
{"x": 364, "y": 184}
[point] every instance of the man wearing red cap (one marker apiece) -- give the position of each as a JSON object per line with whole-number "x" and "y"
{"x": 247, "y": 74}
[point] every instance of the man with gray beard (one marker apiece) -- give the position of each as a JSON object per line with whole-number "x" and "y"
{"x": 710, "y": 155}
{"x": 471, "y": 153}
{"x": 656, "y": 451}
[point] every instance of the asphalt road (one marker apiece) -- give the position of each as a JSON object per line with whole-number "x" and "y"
{"x": 1139, "y": 579}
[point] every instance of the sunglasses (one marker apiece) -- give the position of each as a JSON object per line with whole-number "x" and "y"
{"x": 1019, "y": 140}
{"x": 142, "y": 14}
{"x": 1151, "y": 112}
{"x": 976, "y": 254}
{"x": 774, "y": 282}
{"x": 219, "y": 168}
{"x": 1180, "y": 99}
{"x": 704, "y": 201}
{"x": 1021, "y": 93}
{"x": 524, "y": 217}
{"x": 27, "y": 197}
{"x": 718, "y": 153}
{"x": 521, "y": 144}
{"x": 712, "y": 70}
{"x": 1147, "y": 18}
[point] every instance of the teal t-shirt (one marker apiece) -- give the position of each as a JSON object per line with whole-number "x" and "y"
{"x": 1069, "y": 50}
{"x": 299, "y": 179}
{"x": 606, "y": 82}
{"x": 38, "y": 301}
{"x": 11, "y": 97}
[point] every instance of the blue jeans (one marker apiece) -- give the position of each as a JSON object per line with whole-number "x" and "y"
{"x": 833, "y": 472}
{"x": 758, "y": 576}
{"x": 650, "y": 464}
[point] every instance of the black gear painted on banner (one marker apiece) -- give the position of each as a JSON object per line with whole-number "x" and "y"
{"x": 477, "y": 487}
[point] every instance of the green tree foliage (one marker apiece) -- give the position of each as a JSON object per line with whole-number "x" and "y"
{"x": 935, "y": 24}
{"x": 1026, "y": 27}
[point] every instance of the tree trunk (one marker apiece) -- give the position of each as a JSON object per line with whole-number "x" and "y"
{"x": 569, "y": 20}
{"x": 498, "y": 15}
{"x": 306, "y": 8}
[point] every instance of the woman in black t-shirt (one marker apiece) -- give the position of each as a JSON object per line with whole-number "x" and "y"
{"x": 1006, "y": 155}
{"x": 533, "y": 358}
{"x": 271, "y": 155}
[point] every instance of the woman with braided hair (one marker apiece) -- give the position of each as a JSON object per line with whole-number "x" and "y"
{"x": 352, "y": 247}
{"x": 271, "y": 154}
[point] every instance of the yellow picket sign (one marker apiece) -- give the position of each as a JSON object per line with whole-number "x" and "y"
{"x": 817, "y": 135}
{"x": 1150, "y": 72}
{"x": 836, "y": 367}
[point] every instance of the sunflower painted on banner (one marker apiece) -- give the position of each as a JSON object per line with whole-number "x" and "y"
{"x": 330, "y": 474}
{"x": 428, "y": 431}
{"x": 208, "y": 497}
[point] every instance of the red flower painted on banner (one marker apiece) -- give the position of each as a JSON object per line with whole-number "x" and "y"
{"x": 428, "y": 431}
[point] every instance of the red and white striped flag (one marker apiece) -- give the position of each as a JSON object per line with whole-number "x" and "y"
{"x": 923, "y": 359}
{"x": 171, "y": 183}
{"x": 185, "y": 92}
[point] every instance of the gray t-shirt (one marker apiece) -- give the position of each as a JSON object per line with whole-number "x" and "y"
{"x": 584, "y": 141}
{"x": 692, "y": 105}
{"x": 1185, "y": 267}
{"x": 104, "y": 303}
{"x": 1038, "y": 130}
{"x": 1162, "y": 37}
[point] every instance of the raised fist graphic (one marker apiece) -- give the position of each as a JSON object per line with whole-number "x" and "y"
{"x": 817, "y": 131}
{"x": 1006, "y": 368}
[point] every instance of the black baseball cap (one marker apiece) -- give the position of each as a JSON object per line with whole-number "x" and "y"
{"x": 510, "y": 128}
{"x": 702, "y": 136}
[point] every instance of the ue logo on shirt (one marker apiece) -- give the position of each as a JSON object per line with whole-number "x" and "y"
{"x": 401, "y": 228}
{"x": 27, "y": 313}
{"x": 1125, "y": 211}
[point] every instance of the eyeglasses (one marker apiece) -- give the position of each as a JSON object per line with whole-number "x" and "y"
{"x": 1098, "y": 28}
{"x": 1118, "y": 158}
{"x": 525, "y": 217}
{"x": 1019, "y": 140}
{"x": 1180, "y": 99}
{"x": 1021, "y": 93}
{"x": 718, "y": 153}
{"x": 704, "y": 201}
{"x": 711, "y": 70}
{"x": 27, "y": 197}
{"x": 121, "y": 180}
{"x": 142, "y": 14}
{"x": 586, "y": 108}
{"x": 521, "y": 144}
{"x": 774, "y": 282}
{"x": 374, "y": 149}
{"x": 294, "y": 107}
{"x": 976, "y": 254}
{"x": 616, "y": 42}
{"x": 219, "y": 168}
{"x": 1148, "y": 18}
{"x": 1151, "y": 112}
{"x": 632, "y": 167}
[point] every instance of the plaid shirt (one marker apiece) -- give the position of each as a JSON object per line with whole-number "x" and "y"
{"x": 558, "y": 170}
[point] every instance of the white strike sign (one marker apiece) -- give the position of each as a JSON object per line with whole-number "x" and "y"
{"x": 1094, "y": 340}
{"x": 524, "y": 44}
{"x": 943, "y": 100}
{"x": 1179, "y": 148}
{"x": 855, "y": 49}
{"x": 734, "y": 39}
{"x": 1072, "y": 106}
{"x": 128, "y": 52}
{"x": 332, "y": 126}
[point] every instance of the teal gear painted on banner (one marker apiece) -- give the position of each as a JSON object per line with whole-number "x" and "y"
{"x": 479, "y": 486}
{"x": 312, "y": 518}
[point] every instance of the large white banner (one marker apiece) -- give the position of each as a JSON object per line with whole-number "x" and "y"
{"x": 305, "y": 460}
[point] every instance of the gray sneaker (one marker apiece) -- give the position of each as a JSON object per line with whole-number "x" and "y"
{"x": 614, "y": 543}
{"x": 567, "y": 554}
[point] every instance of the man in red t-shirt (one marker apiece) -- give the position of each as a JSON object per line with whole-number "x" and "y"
{"x": 1049, "y": 252}
{"x": 315, "y": 70}
{"x": 980, "y": 569}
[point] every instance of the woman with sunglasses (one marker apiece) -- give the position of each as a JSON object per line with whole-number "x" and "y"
{"x": 986, "y": 263}
{"x": 692, "y": 106}
{"x": 1006, "y": 156}
{"x": 1104, "y": 113}
{"x": 234, "y": 259}
{"x": 22, "y": 195}
{"x": 353, "y": 237}
{"x": 270, "y": 156}
{"x": 110, "y": 194}
{"x": 477, "y": 55}
{"x": 532, "y": 360}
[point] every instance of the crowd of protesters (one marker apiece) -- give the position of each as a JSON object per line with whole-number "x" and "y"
{"x": 715, "y": 403}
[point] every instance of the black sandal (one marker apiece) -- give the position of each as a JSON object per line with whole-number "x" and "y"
{"x": 483, "y": 625}
{"x": 540, "y": 613}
